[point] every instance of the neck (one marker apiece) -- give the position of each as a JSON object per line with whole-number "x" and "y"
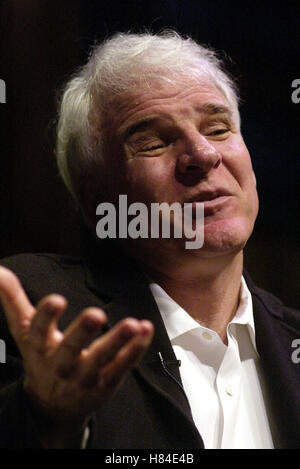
{"x": 207, "y": 289}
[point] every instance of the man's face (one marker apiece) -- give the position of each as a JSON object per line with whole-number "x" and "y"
{"x": 180, "y": 144}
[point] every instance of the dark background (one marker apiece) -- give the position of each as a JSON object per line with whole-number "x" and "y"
{"x": 43, "y": 41}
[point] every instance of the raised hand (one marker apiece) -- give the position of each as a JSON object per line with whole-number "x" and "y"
{"x": 69, "y": 374}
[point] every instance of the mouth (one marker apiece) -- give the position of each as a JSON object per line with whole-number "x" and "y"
{"x": 207, "y": 196}
{"x": 213, "y": 200}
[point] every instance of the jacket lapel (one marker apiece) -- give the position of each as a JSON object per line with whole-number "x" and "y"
{"x": 274, "y": 336}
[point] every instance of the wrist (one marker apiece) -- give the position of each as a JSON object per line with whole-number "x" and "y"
{"x": 56, "y": 429}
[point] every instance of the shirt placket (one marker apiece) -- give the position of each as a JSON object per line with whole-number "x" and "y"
{"x": 228, "y": 383}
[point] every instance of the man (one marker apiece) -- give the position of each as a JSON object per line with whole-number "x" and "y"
{"x": 174, "y": 347}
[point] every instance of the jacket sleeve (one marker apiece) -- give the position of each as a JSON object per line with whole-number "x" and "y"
{"x": 18, "y": 429}
{"x": 19, "y": 425}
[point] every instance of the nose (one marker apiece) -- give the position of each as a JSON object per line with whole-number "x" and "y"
{"x": 198, "y": 157}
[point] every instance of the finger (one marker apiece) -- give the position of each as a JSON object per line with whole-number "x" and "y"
{"x": 102, "y": 351}
{"x": 78, "y": 336}
{"x": 111, "y": 376}
{"x": 18, "y": 309}
{"x": 43, "y": 330}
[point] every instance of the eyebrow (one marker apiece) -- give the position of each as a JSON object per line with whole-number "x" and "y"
{"x": 146, "y": 123}
{"x": 140, "y": 126}
{"x": 210, "y": 108}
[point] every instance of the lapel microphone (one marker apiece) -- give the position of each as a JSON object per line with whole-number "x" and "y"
{"x": 165, "y": 363}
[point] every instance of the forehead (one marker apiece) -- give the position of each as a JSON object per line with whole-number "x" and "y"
{"x": 165, "y": 100}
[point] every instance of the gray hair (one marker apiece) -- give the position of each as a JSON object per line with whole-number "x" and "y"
{"x": 116, "y": 65}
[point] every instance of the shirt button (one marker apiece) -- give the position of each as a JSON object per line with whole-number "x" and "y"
{"x": 229, "y": 390}
{"x": 206, "y": 335}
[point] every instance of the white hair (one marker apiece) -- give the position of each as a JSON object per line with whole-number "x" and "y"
{"x": 117, "y": 65}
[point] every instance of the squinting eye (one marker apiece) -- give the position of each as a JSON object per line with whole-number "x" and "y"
{"x": 155, "y": 147}
{"x": 219, "y": 131}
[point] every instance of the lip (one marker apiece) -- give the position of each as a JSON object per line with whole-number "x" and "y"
{"x": 213, "y": 200}
{"x": 211, "y": 206}
{"x": 207, "y": 195}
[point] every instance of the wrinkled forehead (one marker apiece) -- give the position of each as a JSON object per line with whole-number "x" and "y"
{"x": 141, "y": 99}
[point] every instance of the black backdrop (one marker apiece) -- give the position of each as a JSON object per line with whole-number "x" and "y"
{"x": 43, "y": 42}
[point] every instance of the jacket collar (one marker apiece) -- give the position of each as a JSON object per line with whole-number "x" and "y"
{"x": 274, "y": 336}
{"x": 265, "y": 299}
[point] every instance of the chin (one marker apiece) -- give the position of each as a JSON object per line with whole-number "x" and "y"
{"x": 226, "y": 236}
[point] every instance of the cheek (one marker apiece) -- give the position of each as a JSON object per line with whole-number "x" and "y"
{"x": 147, "y": 179}
{"x": 236, "y": 159}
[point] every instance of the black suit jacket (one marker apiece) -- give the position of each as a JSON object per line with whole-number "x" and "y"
{"x": 151, "y": 409}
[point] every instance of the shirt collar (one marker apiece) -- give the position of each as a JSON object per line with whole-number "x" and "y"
{"x": 177, "y": 321}
{"x": 244, "y": 313}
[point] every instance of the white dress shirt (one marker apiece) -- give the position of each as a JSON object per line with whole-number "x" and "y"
{"x": 222, "y": 383}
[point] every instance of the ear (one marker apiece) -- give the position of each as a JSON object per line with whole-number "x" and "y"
{"x": 88, "y": 197}
{"x": 254, "y": 178}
